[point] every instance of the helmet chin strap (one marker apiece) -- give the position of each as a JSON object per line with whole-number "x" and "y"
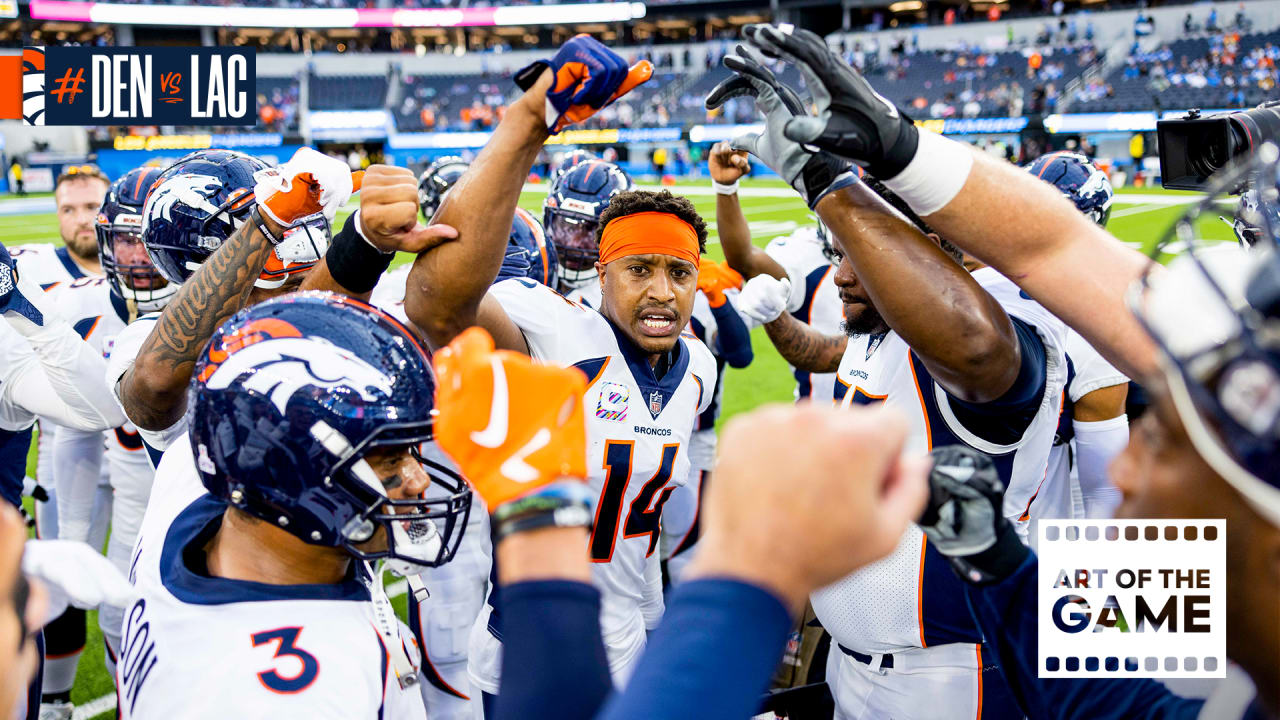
{"x": 388, "y": 627}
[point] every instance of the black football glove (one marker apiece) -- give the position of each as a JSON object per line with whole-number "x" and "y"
{"x": 853, "y": 120}
{"x": 813, "y": 175}
{"x": 964, "y": 518}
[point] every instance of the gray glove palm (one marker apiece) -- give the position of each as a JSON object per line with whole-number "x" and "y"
{"x": 964, "y": 518}
{"x": 812, "y": 175}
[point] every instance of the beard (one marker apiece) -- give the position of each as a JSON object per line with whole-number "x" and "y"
{"x": 868, "y": 321}
{"x": 83, "y": 247}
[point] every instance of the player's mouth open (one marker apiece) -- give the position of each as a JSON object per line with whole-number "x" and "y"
{"x": 657, "y": 324}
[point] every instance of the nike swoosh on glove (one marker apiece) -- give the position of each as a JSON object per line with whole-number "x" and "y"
{"x": 515, "y": 427}
{"x": 588, "y": 77}
{"x": 18, "y": 297}
{"x": 764, "y": 298}
{"x": 310, "y": 183}
{"x": 813, "y": 175}
{"x": 76, "y": 574}
{"x": 964, "y": 518}
{"x": 854, "y": 121}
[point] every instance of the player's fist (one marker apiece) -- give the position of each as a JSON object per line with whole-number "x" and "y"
{"x": 389, "y": 212}
{"x": 714, "y": 279}
{"x": 764, "y": 298}
{"x": 804, "y": 495}
{"x": 513, "y": 426}
{"x": 310, "y": 183}
{"x": 586, "y": 76}
{"x": 726, "y": 164}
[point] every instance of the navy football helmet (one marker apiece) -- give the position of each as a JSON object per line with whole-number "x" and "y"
{"x": 571, "y": 214}
{"x": 289, "y": 397}
{"x": 1215, "y": 314}
{"x": 529, "y": 255}
{"x": 124, "y": 258}
{"x": 570, "y": 160}
{"x": 201, "y": 200}
{"x": 1079, "y": 180}
{"x": 436, "y": 180}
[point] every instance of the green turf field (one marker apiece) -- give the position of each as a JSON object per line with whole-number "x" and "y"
{"x": 1137, "y": 218}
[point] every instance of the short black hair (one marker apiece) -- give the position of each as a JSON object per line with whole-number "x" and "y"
{"x": 632, "y": 202}
{"x": 901, "y": 206}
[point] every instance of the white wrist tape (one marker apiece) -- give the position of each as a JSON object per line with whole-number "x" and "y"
{"x": 934, "y": 176}
{"x": 731, "y": 189}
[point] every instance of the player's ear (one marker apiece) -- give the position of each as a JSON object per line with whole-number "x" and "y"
{"x": 600, "y": 274}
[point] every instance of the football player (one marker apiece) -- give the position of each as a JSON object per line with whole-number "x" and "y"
{"x": 648, "y": 383}
{"x": 568, "y": 161}
{"x": 100, "y": 308}
{"x": 78, "y": 194}
{"x": 805, "y": 259}
{"x": 306, "y": 461}
{"x": 1093, "y": 427}
{"x": 571, "y": 217}
{"x": 971, "y": 363}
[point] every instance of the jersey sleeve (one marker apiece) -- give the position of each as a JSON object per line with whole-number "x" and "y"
{"x": 1006, "y": 612}
{"x": 540, "y": 313}
{"x": 1092, "y": 371}
{"x": 123, "y": 354}
{"x": 703, "y": 367}
{"x": 58, "y": 376}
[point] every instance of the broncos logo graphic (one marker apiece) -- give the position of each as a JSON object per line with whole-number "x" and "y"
{"x": 188, "y": 189}
{"x": 279, "y": 366}
{"x": 33, "y": 85}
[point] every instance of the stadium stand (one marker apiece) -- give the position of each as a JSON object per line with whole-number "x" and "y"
{"x": 1223, "y": 70}
{"x": 347, "y": 92}
{"x": 278, "y": 103}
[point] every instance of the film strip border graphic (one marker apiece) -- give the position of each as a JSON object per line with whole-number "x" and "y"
{"x": 1126, "y": 551}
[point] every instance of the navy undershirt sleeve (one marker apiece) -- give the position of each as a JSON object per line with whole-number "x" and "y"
{"x": 1006, "y": 612}
{"x": 553, "y": 660}
{"x": 733, "y": 340}
{"x": 1005, "y": 419}
{"x": 711, "y": 657}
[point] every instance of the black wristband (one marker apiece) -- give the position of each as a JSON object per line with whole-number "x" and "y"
{"x": 539, "y": 511}
{"x": 353, "y": 262}
{"x": 256, "y": 218}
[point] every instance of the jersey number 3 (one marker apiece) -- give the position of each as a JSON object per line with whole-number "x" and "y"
{"x": 274, "y": 681}
{"x": 644, "y": 514}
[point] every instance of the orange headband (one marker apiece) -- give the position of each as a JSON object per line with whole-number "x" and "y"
{"x": 649, "y": 233}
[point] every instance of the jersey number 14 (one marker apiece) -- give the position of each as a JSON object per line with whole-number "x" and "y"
{"x": 644, "y": 514}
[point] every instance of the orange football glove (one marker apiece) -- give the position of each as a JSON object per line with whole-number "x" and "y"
{"x": 512, "y": 425}
{"x": 309, "y": 183}
{"x": 714, "y": 279}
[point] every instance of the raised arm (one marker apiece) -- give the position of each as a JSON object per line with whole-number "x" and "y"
{"x": 727, "y": 166}
{"x": 446, "y": 287}
{"x": 960, "y": 333}
{"x": 153, "y": 390}
{"x": 807, "y": 349}
{"x": 1074, "y": 268}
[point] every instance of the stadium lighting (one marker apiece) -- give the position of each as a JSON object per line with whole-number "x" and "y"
{"x": 322, "y": 18}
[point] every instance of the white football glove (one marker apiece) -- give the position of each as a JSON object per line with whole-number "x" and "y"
{"x": 75, "y": 574}
{"x": 764, "y": 298}
{"x": 333, "y": 176}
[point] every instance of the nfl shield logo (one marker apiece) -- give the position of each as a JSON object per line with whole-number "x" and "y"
{"x": 655, "y": 402}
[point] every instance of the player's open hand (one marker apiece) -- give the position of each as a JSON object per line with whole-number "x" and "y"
{"x": 726, "y": 164}
{"x": 804, "y": 495}
{"x": 512, "y": 425}
{"x": 714, "y": 279}
{"x": 389, "y": 212}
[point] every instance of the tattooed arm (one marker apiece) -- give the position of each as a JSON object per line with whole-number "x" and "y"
{"x": 153, "y": 390}
{"x": 805, "y": 348}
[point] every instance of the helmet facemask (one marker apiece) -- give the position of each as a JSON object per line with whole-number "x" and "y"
{"x": 127, "y": 265}
{"x": 577, "y": 248}
{"x": 1215, "y": 315}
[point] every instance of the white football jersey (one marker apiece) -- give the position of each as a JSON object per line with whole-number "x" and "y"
{"x": 589, "y": 295}
{"x": 388, "y": 294}
{"x": 128, "y": 342}
{"x": 49, "y": 266}
{"x": 1086, "y": 371}
{"x": 814, "y": 300}
{"x": 638, "y": 433}
{"x": 197, "y": 646}
{"x": 912, "y": 598}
